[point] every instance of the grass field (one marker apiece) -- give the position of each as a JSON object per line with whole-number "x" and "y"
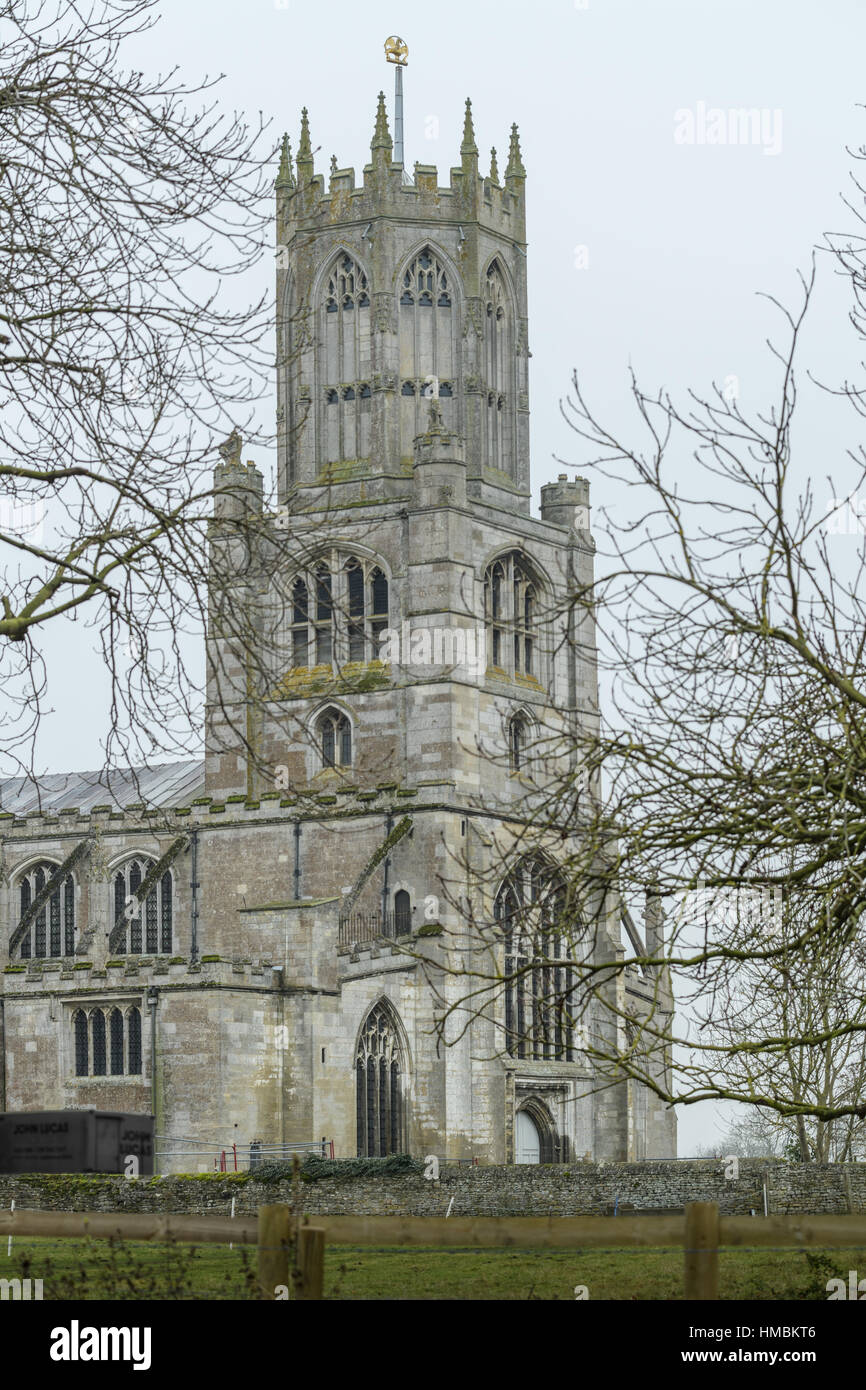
{"x": 81, "y": 1269}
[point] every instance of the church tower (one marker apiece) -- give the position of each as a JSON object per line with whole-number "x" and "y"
{"x": 415, "y": 647}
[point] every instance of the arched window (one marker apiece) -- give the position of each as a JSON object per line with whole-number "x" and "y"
{"x": 510, "y": 613}
{"x": 402, "y": 913}
{"x": 324, "y": 616}
{"x": 379, "y": 610}
{"x": 345, "y": 362}
{"x": 300, "y": 624}
{"x": 133, "y": 1019}
{"x": 518, "y": 729}
{"x": 335, "y": 738}
{"x": 52, "y": 931}
{"x": 149, "y": 923}
{"x": 428, "y": 344}
{"x": 379, "y": 1071}
{"x": 82, "y": 1052}
{"x": 539, "y": 945}
{"x": 498, "y": 370}
{"x": 349, "y": 613}
{"x": 357, "y": 606}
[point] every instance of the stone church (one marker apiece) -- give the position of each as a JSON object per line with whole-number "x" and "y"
{"x": 277, "y": 944}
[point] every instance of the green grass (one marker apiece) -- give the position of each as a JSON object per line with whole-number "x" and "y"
{"x": 81, "y": 1269}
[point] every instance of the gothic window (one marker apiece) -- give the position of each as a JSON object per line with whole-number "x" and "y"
{"x": 300, "y": 624}
{"x": 116, "y": 1038}
{"x": 379, "y": 1071}
{"x": 133, "y": 1019}
{"x": 518, "y": 729}
{"x": 345, "y": 362}
{"x": 402, "y": 913}
{"x": 428, "y": 344}
{"x": 539, "y": 948}
{"x": 510, "y": 613}
{"x": 355, "y": 586}
{"x": 166, "y": 913}
{"x": 97, "y": 1033}
{"x": 82, "y": 1056}
{"x": 99, "y": 1048}
{"x": 148, "y": 924}
{"x": 348, "y": 615}
{"x": 52, "y": 931}
{"x": 335, "y": 739}
{"x": 324, "y": 616}
{"x": 378, "y": 610}
{"x": 498, "y": 371}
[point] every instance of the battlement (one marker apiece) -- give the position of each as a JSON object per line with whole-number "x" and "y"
{"x": 304, "y": 201}
{"x": 137, "y": 972}
{"x": 207, "y": 811}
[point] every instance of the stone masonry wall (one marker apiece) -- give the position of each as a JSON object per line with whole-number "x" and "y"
{"x": 582, "y": 1189}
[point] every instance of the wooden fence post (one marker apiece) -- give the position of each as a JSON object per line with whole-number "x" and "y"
{"x": 702, "y": 1250}
{"x": 311, "y": 1262}
{"x": 274, "y": 1237}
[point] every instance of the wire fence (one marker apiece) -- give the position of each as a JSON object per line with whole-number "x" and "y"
{"x": 230, "y": 1156}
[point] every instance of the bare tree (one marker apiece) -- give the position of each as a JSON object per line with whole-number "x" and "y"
{"x": 127, "y": 204}
{"x": 726, "y": 765}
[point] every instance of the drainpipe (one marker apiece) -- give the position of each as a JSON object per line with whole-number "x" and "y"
{"x": 152, "y": 999}
{"x": 297, "y": 861}
{"x": 194, "y": 886}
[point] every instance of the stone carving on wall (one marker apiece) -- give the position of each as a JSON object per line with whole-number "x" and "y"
{"x": 474, "y": 320}
{"x": 384, "y": 311}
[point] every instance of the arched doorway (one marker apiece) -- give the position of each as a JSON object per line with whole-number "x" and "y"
{"x": 527, "y": 1139}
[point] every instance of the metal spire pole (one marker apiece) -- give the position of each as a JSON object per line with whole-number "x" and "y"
{"x": 397, "y": 52}
{"x": 398, "y": 114}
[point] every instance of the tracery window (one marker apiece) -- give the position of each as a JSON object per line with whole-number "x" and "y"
{"x": 338, "y": 613}
{"x": 428, "y": 345}
{"x": 149, "y": 925}
{"x": 123, "y": 1039}
{"x": 52, "y": 931}
{"x": 345, "y": 362}
{"x": 498, "y": 372}
{"x": 335, "y": 738}
{"x": 510, "y": 609}
{"x": 379, "y": 1073}
{"x": 539, "y": 947}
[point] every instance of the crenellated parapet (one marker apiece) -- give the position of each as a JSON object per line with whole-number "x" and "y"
{"x": 308, "y": 202}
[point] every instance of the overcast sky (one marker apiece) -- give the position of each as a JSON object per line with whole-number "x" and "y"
{"x": 644, "y": 249}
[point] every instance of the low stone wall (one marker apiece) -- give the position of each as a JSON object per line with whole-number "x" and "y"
{"x": 575, "y": 1190}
